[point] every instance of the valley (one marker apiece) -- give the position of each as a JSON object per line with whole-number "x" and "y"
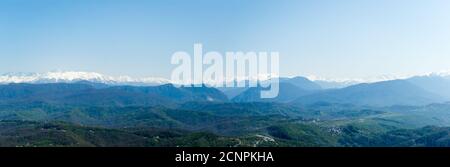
{"x": 90, "y": 114}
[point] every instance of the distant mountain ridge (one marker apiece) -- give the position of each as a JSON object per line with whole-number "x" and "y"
{"x": 90, "y": 95}
{"x": 433, "y": 83}
{"x": 415, "y": 91}
{"x": 387, "y": 93}
{"x": 302, "y": 82}
{"x": 289, "y": 89}
{"x": 98, "y": 89}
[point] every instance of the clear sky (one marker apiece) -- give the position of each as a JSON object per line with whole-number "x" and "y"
{"x": 328, "y": 38}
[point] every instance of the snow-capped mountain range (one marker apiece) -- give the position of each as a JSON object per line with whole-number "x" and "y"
{"x": 74, "y": 76}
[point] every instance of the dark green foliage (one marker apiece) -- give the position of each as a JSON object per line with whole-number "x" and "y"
{"x": 83, "y": 114}
{"x": 303, "y": 134}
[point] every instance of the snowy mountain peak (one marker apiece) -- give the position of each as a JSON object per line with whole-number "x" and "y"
{"x": 444, "y": 73}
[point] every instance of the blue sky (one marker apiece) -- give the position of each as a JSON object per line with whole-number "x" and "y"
{"x": 328, "y": 38}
